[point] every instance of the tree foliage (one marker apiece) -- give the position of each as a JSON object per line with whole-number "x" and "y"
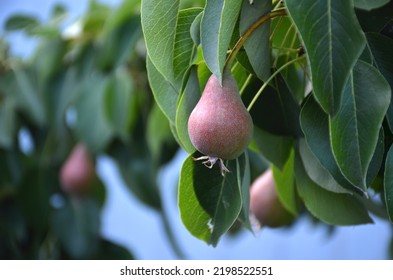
{"x": 316, "y": 77}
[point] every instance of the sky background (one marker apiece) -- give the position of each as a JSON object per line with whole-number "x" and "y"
{"x": 127, "y": 221}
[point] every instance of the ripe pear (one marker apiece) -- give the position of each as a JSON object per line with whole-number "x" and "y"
{"x": 265, "y": 204}
{"x": 220, "y": 127}
{"x": 77, "y": 171}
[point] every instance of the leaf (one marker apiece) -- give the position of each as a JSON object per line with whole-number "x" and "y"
{"x": 187, "y": 103}
{"x": 20, "y": 22}
{"x": 218, "y": 22}
{"x": 159, "y": 23}
{"x": 92, "y": 127}
{"x": 375, "y": 20}
{"x": 285, "y": 185}
{"x": 331, "y": 208}
{"x": 276, "y": 110}
{"x": 28, "y": 97}
{"x": 381, "y": 50}
{"x": 120, "y": 104}
{"x": 117, "y": 44}
{"x": 7, "y": 122}
{"x": 333, "y": 41}
{"x": 209, "y": 203}
{"x": 355, "y": 128}
{"x": 316, "y": 171}
{"x": 244, "y": 182}
{"x": 195, "y": 29}
{"x": 370, "y": 5}
{"x": 112, "y": 251}
{"x": 377, "y": 160}
{"x": 158, "y": 131}
{"x": 164, "y": 94}
{"x": 274, "y": 148}
{"x": 388, "y": 183}
{"x": 315, "y": 125}
{"x": 257, "y": 46}
{"x": 80, "y": 238}
{"x": 184, "y": 48}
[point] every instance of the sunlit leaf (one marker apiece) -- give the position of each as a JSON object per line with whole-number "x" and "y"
{"x": 218, "y": 22}
{"x": 164, "y": 94}
{"x": 159, "y": 23}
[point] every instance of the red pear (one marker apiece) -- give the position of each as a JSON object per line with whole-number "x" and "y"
{"x": 265, "y": 204}
{"x": 78, "y": 171}
{"x": 220, "y": 127}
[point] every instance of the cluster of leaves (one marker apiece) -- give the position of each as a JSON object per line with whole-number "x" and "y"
{"x": 87, "y": 84}
{"x": 316, "y": 77}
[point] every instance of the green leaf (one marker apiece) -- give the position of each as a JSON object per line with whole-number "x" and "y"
{"x": 285, "y": 185}
{"x": 112, "y": 251}
{"x": 184, "y": 49}
{"x": 381, "y": 50}
{"x": 158, "y": 131}
{"x": 80, "y": 238}
{"x": 377, "y": 160}
{"x": 164, "y": 94}
{"x": 388, "y": 183}
{"x": 195, "y": 29}
{"x": 117, "y": 44}
{"x": 315, "y": 125}
{"x": 28, "y": 96}
{"x": 92, "y": 127}
{"x": 19, "y": 22}
{"x": 159, "y": 23}
{"x": 355, "y": 128}
{"x": 370, "y": 5}
{"x": 209, "y": 202}
{"x": 316, "y": 171}
{"x": 331, "y": 208}
{"x": 274, "y": 148}
{"x": 120, "y": 104}
{"x": 7, "y": 122}
{"x": 218, "y": 23}
{"x": 257, "y": 46}
{"x": 244, "y": 181}
{"x": 187, "y": 103}
{"x": 375, "y": 20}
{"x": 276, "y": 110}
{"x": 333, "y": 41}
{"x": 48, "y": 60}
{"x": 140, "y": 179}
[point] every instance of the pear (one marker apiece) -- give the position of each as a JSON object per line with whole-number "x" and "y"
{"x": 77, "y": 171}
{"x": 220, "y": 127}
{"x": 265, "y": 205}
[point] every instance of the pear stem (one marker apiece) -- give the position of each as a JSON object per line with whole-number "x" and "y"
{"x": 270, "y": 79}
{"x": 250, "y": 30}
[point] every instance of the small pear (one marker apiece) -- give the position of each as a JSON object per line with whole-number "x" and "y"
{"x": 77, "y": 171}
{"x": 265, "y": 204}
{"x": 220, "y": 127}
